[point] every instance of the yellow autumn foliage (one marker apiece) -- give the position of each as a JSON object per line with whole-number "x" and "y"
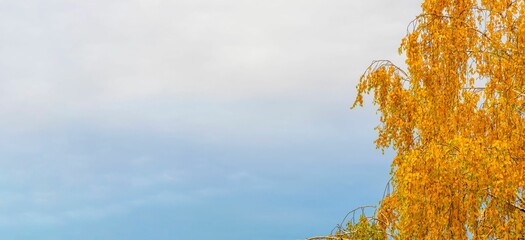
{"x": 456, "y": 120}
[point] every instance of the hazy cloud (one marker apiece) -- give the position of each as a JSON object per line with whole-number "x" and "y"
{"x": 109, "y": 106}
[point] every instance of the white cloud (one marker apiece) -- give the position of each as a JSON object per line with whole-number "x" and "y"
{"x": 72, "y": 59}
{"x": 244, "y": 72}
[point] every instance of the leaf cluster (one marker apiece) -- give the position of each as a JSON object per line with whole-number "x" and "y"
{"x": 456, "y": 120}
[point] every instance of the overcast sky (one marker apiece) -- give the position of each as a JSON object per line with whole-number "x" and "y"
{"x": 189, "y": 119}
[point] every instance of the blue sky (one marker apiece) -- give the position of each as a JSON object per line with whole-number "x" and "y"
{"x": 188, "y": 119}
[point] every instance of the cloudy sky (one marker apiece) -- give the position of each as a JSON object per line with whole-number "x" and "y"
{"x": 189, "y": 119}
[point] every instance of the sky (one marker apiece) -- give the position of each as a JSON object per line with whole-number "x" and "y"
{"x": 189, "y": 119}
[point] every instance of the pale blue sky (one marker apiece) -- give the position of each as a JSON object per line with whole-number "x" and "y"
{"x": 158, "y": 119}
